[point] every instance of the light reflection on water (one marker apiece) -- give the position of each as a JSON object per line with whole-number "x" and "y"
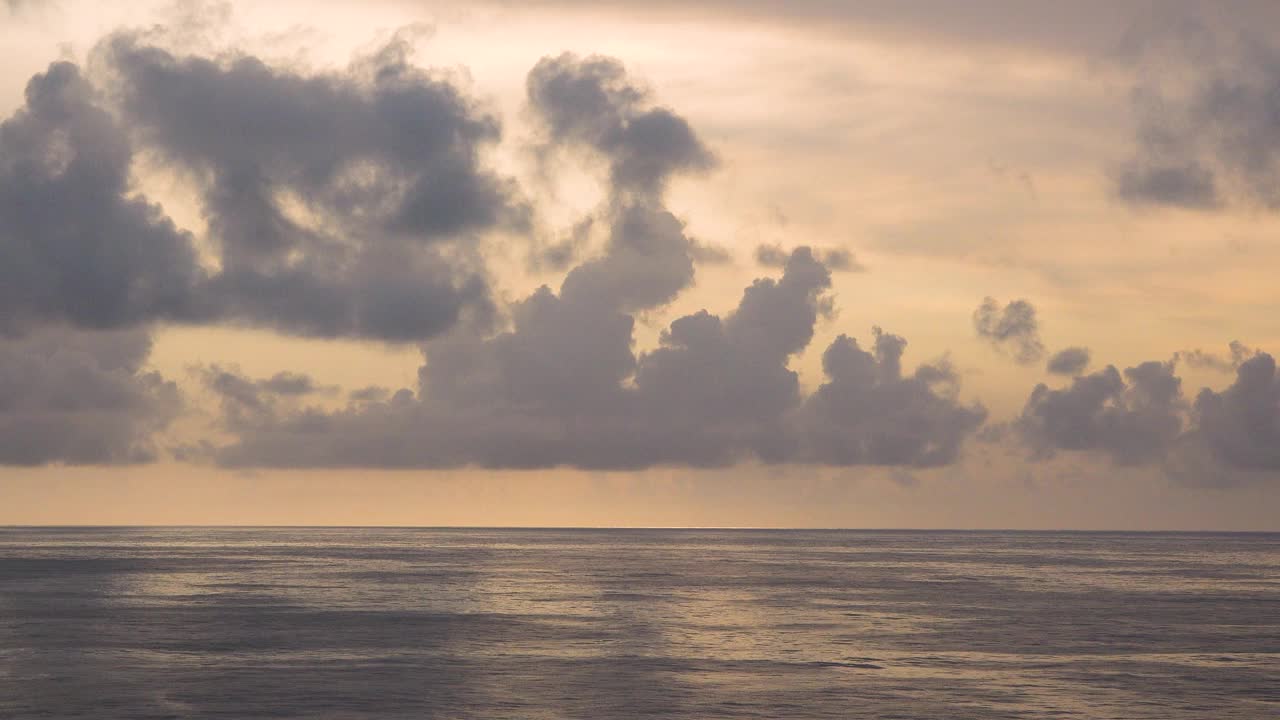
{"x": 356, "y": 623}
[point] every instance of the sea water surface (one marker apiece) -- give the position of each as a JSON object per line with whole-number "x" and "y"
{"x": 596, "y": 624}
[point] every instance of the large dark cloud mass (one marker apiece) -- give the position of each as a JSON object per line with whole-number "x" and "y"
{"x": 564, "y": 387}
{"x": 342, "y": 204}
{"x": 81, "y": 397}
{"x": 361, "y": 203}
{"x": 338, "y": 205}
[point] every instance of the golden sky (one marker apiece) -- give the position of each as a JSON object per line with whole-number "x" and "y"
{"x": 930, "y": 157}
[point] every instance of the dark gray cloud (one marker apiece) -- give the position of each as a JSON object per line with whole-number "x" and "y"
{"x": 564, "y": 388}
{"x": 343, "y": 204}
{"x": 592, "y": 103}
{"x": 1206, "y": 127}
{"x": 1012, "y": 329}
{"x": 1240, "y": 426}
{"x": 76, "y": 245}
{"x": 717, "y": 389}
{"x": 1069, "y": 361}
{"x": 1237, "y": 354}
{"x": 81, "y": 397}
{"x": 340, "y": 204}
{"x": 1225, "y": 438}
{"x": 1132, "y": 418}
{"x": 870, "y": 413}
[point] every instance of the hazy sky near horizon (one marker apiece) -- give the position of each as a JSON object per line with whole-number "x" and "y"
{"x": 699, "y": 263}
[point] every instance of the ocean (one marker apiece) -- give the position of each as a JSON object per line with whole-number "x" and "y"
{"x": 597, "y": 624}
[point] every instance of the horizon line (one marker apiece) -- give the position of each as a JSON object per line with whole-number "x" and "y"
{"x": 719, "y": 528}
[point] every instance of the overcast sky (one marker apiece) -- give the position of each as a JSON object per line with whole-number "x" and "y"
{"x": 864, "y": 264}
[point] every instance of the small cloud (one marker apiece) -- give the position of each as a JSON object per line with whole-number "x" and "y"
{"x": 1012, "y": 329}
{"x": 1069, "y": 361}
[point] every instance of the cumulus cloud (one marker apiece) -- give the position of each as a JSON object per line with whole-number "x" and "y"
{"x": 81, "y": 397}
{"x": 563, "y": 385}
{"x": 1240, "y": 426}
{"x": 1132, "y": 418}
{"x": 1012, "y": 329}
{"x": 1069, "y": 361}
{"x": 339, "y": 204}
{"x": 1140, "y": 416}
{"x": 76, "y": 245}
{"x": 343, "y": 203}
{"x": 563, "y": 388}
{"x": 870, "y": 413}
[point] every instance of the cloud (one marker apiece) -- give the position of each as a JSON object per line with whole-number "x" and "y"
{"x": 1132, "y": 418}
{"x": 343, "y": 204}
{"x": 1238, "y": 354}
{"x": 561, "y": 384}
{"x": 562, "y": 387}
{"x": 1012, "y": 330}
{"x": 869, "y": 413}
{"x": 246, "y": 402}
{"x": 836, "y": 259}
{"x": 592, "y": 103}
{"x": 1206, "y": 128}
{"x": 76, "y": 245}
{"x": 1145, "y": 181}
{"x": 772, "y": 256}
{"x": 81, "y": 398}
{"x": 340, "y": 204}
{"x": 1240, "y": 426}
{"x": 1140, "y": 417}
{"x": 1069, "y": 361}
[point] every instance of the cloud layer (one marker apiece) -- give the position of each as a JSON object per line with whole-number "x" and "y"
{"x": 363, "y": 203}
{"x": 562, "y": 385}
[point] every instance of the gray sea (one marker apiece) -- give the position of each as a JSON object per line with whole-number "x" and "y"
{"x": 491, "y": 623}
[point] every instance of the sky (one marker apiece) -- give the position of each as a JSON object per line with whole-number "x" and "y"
{"x": 813, "y": 264}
